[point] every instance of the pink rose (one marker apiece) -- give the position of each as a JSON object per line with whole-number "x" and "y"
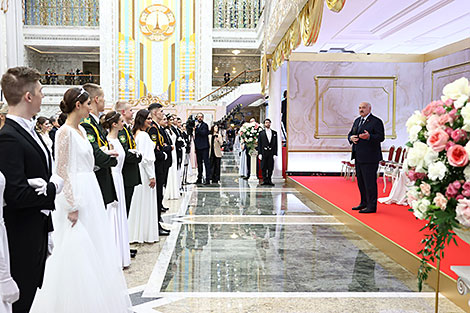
{"x": 457, "y": 184}
{"x": 437, "y": 140}
{"x": 466, "y": 193}
{"x": 429, "y": 109}
{"x": 432, "y": 123}
{"x": 459, "y": 197}
{"x": 439, "y": 110}
{"x": 449, "y": 144}
{"x": 444, "y": 119}
{"x": 449, "y": 131}
{"x": 440, "y": 201}
{"x": 453, "y": 113}
{"x": 466, "y": 185}
{"x": 451, "y": 191}
{"x": 457, "y": 156}
{"x": 425, "y": 188}
{"x": 459, "y": 134}
{"x": 449, "y": 102}
{"x": 463, "y": 212}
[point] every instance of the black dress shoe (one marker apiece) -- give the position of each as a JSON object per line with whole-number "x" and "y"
{"x": 359, "y": 207}
{"x": 270, "y": 184}
{"x": 198, "y": 181}
{"x": 134, "y": 251}
{"x": 163, "y": 232}
{"x": 367, "y": 210}
{"x": 207, "y": 183}
{"x": 164, "y": 209}
{"x": 133, "y": 255}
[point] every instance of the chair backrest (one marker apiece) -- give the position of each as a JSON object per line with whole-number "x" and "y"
{"x": 403, "y": 154}
{"x": 398, "y": 154}
{"x": 390, "y": 153}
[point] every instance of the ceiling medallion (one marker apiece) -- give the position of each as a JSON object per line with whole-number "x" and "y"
{"x": 157, "y": 22}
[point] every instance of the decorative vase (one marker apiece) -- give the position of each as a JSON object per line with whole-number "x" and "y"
{"x": 463, "y": 233}
{"x": 253, "y": 180}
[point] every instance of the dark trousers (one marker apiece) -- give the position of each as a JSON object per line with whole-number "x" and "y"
{"x": 215, "y": 168}
{"x": 202, "y": 156}
{"x": 129, "y": 191}
{"x": 267, "y": 166}
{"x": 366, "y": 174}
{"x": 248, "y": 163}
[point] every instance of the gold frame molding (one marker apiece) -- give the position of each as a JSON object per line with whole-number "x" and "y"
{"x": 445, "y": 69}
{"x": 317, "y": 102}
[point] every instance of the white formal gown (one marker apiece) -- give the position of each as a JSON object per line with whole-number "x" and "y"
{"x": 4, "y": 254}
{"x": 83, "y": 274}
{"x": 117, "y": 210}
{"x": 143, "y": 219}
{"x": 172, "y": 190}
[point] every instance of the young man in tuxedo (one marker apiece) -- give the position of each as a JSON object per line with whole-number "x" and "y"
{"x": 365, "y": 136}
{"x": 105, "y": 157}
{"x": 130, "y": 169}
{"x": 163, "y": 158}
{"x": 179, "y": 144}
{"x": 267, "y": 150}
{"x": 24, "y": 158}
{"x": 201, "y": 142}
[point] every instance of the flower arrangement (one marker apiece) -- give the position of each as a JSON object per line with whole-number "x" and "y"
{"x": 249, "y": 135}
{"x": 438, "y": 165}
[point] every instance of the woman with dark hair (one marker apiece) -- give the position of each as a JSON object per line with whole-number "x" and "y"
{"x": 83, "y": 273}
{"x": 42, "y": 128}
{"x": 143, "y": 221}
{"x": 172, "y": 189}
{"x": 114, "y": 122}
{"x": 215, "y": 153}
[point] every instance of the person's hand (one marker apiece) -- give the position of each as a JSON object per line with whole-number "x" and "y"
{"x": 9, "y": 290}
{"x": 73, "y": 217}
{"x": 58, "y": 182}
{"x": 260, "y": 157}
{"x": 134, "y": 151}
{"x": 354, "y": 138}
{"x": 365, "y": 135}
{"x": 112, "y": 153}
{"x": 39, "y": 185}
{"x": 152, "y": 183}
{"x": 172, "y": 148}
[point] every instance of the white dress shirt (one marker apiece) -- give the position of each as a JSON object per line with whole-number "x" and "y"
{"x": 269, "y": 134}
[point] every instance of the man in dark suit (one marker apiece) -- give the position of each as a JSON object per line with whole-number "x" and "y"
{"x": 179, "y": 144}
{"x": 130, "y": 169}
{"x": 24, "y": 156}
{"x": 105, "y": 158}
{"x": 365, "y": 136}
{"x": 267, "y": 149}
{"x": 201, "y": 142}
{"x": 163, "y": 157}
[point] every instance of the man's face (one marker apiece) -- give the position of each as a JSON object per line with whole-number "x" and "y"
{"x": 159, "y": 114}
{"x": 127, "y": 114}
{"x": 100, "y": 102}
{"x": 200, "y": 117}
{"x": 267, "y": 124}
{"x": 164, "y": 121}
{"x": 364, "y": 109}
{"x": 179, "y": 123}
{"x": 35, "y": 99}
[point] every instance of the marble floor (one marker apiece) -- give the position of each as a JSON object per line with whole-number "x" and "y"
{"x": 235, "y": 248}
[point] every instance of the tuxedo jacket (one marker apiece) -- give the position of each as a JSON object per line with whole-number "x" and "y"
{"x": 201, "y": 136}
{"x": 22, "y": 158}
{"x": 163, "y": 157}
{"x": 266, "y": 147}
{"x": 367, "y": 151}
{"x": 130, "y": 168}
{"x": 97, "y": 137}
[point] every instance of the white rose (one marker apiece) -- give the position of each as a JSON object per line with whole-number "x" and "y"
{"x": 420, "y": 208}
{"x": 456, "y": 89}
{"x": 460, "y": 102}
{"x": 466, "y": 172}
{"x": 437, "y": 170}
{"x": 416, "y": 154}
{"x": 430, "y": 157}
{"x": 416, "y": 119}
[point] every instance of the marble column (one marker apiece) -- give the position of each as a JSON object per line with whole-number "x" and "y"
{"x": 108, "y": 42}
{"x": 274, "y": 114}
{"x": 11, "y": 36}
{"x": 3, "y": 43}
{"x": 204, "y": 44}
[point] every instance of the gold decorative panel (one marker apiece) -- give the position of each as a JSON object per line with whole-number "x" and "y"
{"x": 338, "y": 97}
{"x": 443, "y": 76}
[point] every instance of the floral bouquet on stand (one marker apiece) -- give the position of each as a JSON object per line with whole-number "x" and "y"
{"x": 438, "y": 164}
{"x": 249, "y": 135}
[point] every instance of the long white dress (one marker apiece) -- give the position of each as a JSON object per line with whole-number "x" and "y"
{"x": 83, "y": 274}
{"x": 4, "y": 254}
{"x": 172, "y": 190}
{"x": 143, "y": 212}
{"x": 117, "y": 210}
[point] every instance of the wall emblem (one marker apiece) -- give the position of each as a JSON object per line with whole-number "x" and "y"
{"x": 157, "y": 22}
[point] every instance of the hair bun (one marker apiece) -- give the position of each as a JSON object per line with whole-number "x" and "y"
{"x": 63, "y": 107}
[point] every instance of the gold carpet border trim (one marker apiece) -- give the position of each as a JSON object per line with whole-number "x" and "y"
{"x": 448, "y": 285}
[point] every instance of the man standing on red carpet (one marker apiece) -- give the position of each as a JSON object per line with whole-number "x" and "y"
{"x": 365, "y": 136}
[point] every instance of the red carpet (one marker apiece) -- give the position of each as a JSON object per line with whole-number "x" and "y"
{"x": 392, "y": 221}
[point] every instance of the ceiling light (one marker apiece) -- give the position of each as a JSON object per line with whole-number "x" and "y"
{"x": 234, "y": 70}
{"x": 236, "y": 52}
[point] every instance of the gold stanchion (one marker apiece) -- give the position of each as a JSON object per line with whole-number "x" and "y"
{"x": 436, "y": 310}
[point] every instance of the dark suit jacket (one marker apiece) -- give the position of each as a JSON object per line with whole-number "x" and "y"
{"x": 102, "y": 160}
{"x": 21, "y": 158}
{"x": 162, "y": 153}
{"x": 130, "y": 169}
{"x": 368, "y": 151}
{"x": 265, "y": 147}
{"x": 201, "y": 136}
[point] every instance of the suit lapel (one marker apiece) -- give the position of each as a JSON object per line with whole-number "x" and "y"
{"x": 99, "y": 128}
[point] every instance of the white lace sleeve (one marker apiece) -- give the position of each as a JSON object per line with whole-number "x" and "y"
{"x": 148, "y": 155}
{"x": 63, "y": 159}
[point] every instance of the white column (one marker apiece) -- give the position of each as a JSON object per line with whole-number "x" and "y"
{"x": 274, "y": 114}
{"x": 12, "y": 32}
{"x": 204, "y": 22}
{"x": 3, "y": 44}
{"x": 108, "y": 40}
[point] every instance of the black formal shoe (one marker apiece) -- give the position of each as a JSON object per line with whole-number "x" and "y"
{"x": 163, "y": 232}
{"x": 198, "y": 181}
{"x": 270, "y": 184}
{"x": 207, "y": 183}
{"x": 359, "y": 207}
{"x": 246, "y": 178}
{"x": 367, "y": 210}
{"x": 164, "y": 209}
{"x": 133, "y": 254}
{"x": 133, "y": 251}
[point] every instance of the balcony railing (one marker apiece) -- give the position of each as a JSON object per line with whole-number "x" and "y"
{"x": 245, "y": 77}
{"x": 62, "y": 12}
{"x": 64, "y": 79}
{"x": 237, "y": 14}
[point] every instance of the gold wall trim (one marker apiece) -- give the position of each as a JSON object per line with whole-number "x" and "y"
{"x": 445, "y": 69}
{"x": 355, "y": 57}
{"x": 446, "y": 50}
{"x": 448, "y": 285}
{"x": 317, "y": 102}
